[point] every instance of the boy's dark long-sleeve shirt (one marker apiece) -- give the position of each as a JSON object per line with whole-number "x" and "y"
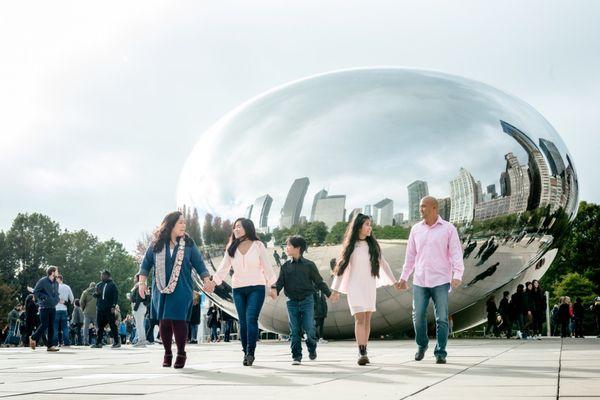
{"x": 299, "y": 278}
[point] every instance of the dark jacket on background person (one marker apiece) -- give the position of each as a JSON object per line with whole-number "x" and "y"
{"x": 504, "y": 308}
{"x": 136, "y": 299}
{"x": 195, "y": 316}
{"x": 539, "y": 299}
{"x": 564, "y": 314}
{"x": 88, "y": 301}
{"x": 107, "y": 295}
{"x": 213, "y": 317}
{"x": 31, "y": 316}
{"x": 530, "y": 301}
{"x": 578, "y": 310}
{"x": 77, "y": 316}
{"x": 298, "y": 279}
{"x": 517, "y": 301}
{"x": 46, "y": 293}
{"x": 491, "y": 310}
{"x": 320, "y": 305}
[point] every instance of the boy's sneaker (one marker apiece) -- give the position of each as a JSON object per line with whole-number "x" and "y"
{"x": 296, "y": 361}
{"x": 313, "y": 355}
{"x": 322, "y": 341}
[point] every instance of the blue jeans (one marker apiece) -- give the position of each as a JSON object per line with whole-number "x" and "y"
{"x": 248, "y": 302}
{"x": 421, "y": 296}
{"x": 61, "y": 318}
{"x": 301, "y": 317}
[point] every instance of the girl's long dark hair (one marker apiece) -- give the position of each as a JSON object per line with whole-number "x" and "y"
{"x": 350, "y": 238}
{"x": 233, "y": 243}
{"x": 162, "y": 235}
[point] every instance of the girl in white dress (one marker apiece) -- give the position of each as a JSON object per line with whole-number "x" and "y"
{"x": 361, "y": 269}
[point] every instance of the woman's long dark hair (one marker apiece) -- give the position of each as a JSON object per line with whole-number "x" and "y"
{"x": 162, "y": 235}
{"x": 233, "y": 243}
{"x": 350, "y": 239}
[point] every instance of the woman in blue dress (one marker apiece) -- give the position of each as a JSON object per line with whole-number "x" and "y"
{"x": 172, "y": 255}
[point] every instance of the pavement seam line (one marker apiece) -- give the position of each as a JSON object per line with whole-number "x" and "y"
{"x": 461, "y": 371}
{"x": 562, "y": 341}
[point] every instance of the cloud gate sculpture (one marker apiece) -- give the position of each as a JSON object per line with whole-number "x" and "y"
{"x": 375, "y": 141}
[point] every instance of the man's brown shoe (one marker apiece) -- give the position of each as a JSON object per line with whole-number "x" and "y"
{"x": 32, "y": 343}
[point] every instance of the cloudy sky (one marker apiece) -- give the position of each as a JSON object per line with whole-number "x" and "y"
{"x": 102, "y": 104}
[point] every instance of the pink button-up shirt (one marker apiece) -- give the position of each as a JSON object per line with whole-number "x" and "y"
{"x": 434, "y": 253}
{"x": 250, "y": 269}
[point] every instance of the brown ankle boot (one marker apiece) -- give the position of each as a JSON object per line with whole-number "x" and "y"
{"x": 180, "y": 360}
{"x": 167, "y": 360}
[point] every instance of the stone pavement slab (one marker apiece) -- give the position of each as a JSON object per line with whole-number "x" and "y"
{"x": 490, "y": 369}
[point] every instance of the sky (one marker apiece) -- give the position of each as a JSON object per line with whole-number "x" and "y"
{"x": 101, "y": 104}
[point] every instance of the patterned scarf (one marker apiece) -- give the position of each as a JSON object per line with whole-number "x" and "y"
{"x": 160, "y": 267}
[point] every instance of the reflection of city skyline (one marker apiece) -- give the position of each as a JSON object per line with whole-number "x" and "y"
{"x": 541, "y": 182}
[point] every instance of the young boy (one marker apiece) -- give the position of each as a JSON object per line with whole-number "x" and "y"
{"x": 299, "y": 277}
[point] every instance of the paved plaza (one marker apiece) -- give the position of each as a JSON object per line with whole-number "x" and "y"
{"x": 477, "y": 369}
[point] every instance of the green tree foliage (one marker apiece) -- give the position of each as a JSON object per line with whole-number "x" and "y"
{"x": 35, "y": 241}
{"x": 216, "y": 231}
{"x": 192, "y": 224}
{"x": 390, "y": 232}
{"x": 336, "y": 235}
{"x": 314, "y": 233}
{"x": 579, "y": 251}
{"x": 574, "y": 285}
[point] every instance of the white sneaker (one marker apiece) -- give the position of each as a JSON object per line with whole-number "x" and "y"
{"x": 519, "y": 335}
{"x": 296, "y": 362}
{"x": 323, "y": 341}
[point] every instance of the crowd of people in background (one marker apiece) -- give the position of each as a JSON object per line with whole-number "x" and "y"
{"x": 522, "y": 315}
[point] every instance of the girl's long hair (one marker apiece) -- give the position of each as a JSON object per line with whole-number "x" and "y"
{"x": 162, "y": 234}
{"x": 233, "y": 243}
{"x": 349, "y": 243}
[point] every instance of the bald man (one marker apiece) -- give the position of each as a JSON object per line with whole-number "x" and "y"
{"x": 434, "y": 254}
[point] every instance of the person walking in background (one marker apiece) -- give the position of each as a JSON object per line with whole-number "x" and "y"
{"x": 564, "y": 316}
{"x": 77, "y": 320}
{"x": 138, "y": 306}
{"x": 595, "y": 308}
{"x": 321, "y": 309}
{"x": 578, "y": 315}
{"x": 252, "y": 271}
{"x": 31, "y": 318}
{"x": 505, "y": 314}
{"x": 213, "y": 321}
{"x": 61, "y": 319}
{"x": 88, "y": 306}
{"x": 434, "y": 253}
{"x": 492, "y": 312}
{"x": 519, "y": 309}
{"x": 46, "y": 296}
{"x": 195, "y": 318}
{"x": 299, "y": 277}
{"x": 13, "y": 336}
{"x": 539, "y": 313}
{"x": 228, "y": 320}
{"x": 172, "y": 256}
{"x": 360, "y": 271}
{"x": 529, "y": 331}
{"x": 107, "y": 296}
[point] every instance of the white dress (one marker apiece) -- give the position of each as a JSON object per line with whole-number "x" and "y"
{"x": 358, "y": 283}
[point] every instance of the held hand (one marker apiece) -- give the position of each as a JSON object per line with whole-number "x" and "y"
{"x": 142, "y": 290}
{"x": 273, "y": 294}
{"x": 209, "y": 285}
{"x": 455, "y": 283}
{"x": 401, "y": 285}
{"x": 334, "y": 297}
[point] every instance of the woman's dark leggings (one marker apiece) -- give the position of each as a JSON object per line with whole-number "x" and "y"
{"x": 170, "y": 327}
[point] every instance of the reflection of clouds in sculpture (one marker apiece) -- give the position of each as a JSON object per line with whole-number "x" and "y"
{"x": 343, "y": 129}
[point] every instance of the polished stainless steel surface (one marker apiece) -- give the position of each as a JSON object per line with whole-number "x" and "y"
{"x": 368, "y": 134}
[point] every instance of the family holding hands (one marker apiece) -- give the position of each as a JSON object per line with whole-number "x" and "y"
{"x": 433, "y": 254}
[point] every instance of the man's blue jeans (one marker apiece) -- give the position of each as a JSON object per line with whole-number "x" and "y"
{"x": 421, "y": 296}
{"x": 61, "y": 318}
{"x": 248, "y": 303}
{"x": 301, "y": 317}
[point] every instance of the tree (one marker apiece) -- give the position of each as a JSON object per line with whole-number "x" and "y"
{"x": 122, "y": 267}
{"x": 579, "y": 250}
{"x": 208, "y": 231}
{"x": 336, "y": 235}
{"x": 574, "y": 285}
{"x": 32, "y": 245}
{"x": 193, "y": 227}
{"x": 315, "y": 232}
{"x": 6, "y": 272}
{"x": 142, "y": 246}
